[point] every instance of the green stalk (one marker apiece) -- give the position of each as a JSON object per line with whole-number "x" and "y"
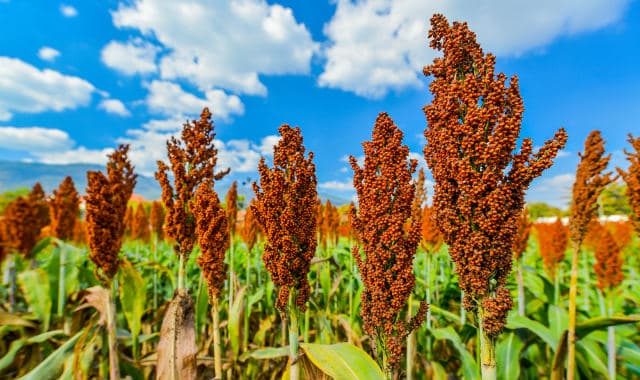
{"x": 488, "y": 366}
{"x": 62, "y": 294}
{"x": 155, "y": 272}
{"x": 11, "y": 268}
{"x": 217, "y": 355}
{"x": 463, "y": 312}
{"x": 293, "y": 336}
{"x": 556, "y": 286}
{"x": 181, "y": 271}
{"x": 351, "y": 279}
{"x": 247, "y": 313}
{"x": 114, "y": 370}
{"x": 521, "y": 300}
{"x": 573, "y": 294}
{"x": 305, "y": 332}
{"x": 411, "y": 343}
{"x": 585, "y": 276}
{"x": 231, "y": 272}
{"x": 429, "y": 286}
{"x": 611, "y": 349}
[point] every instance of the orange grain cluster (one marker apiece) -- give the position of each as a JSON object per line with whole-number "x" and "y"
{"x": 212, "y": 229}
{"x": 590, "y": 181}
{"x": 79, "y": 232}
{"x": 250, "y": 229}
{"x": 553, "y": 239}
{"x": 632, "y": 178}
{"x": 231, "y": 201}
{"x": 522, "y": 236}
{"x": 140, "y": 229}
{"x": 106, "y": 205}
{"x": 64, "y": 210}
{"x": 156, "y": 218}
{"x": 474, "y": 122}
{"x": 23, "y": 219}
{"x": 286, "y": 210}
{"x": 608, "y": 266}
{"x": 621, "y": 232}
{"x": 193, "y": 159}
{"x": 385, "y": 199}
{"x": 330, "y": 223}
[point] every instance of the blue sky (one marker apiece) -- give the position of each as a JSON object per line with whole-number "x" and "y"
{"x": 79, "y": 77}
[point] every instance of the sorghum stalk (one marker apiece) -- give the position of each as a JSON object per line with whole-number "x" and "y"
{"x": 193, "y": 159}
{"x": 232, "y": 215}
{"x": 519, "y": 247}
{"x": 473, "y": 125}
{"x": 590, "y": 181}
{"x": 286, "y": 210}
{"x": 632, "y": 178}
{"x": 389, "y": 232}
{"x": 106, "y": 205}
{"x": 213, "y": 237}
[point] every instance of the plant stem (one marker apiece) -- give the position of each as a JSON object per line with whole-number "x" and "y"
{"x": 181, "y": 271}
{"x": 62, "y": 294}
{"x": 217, "y": 355}
{"x": 428, "y": 291}
{"x": 351, "y": 279}
{"x": 155, "y": 272}
{"x": 487, "y": 351}
{"x": 585, "y": 277}
{"x": 231, "y": 271}
{"x": 573, "y": 293}
{"x": 611, "y": 349}
{"x": 556, "y": 286}
{"x": 463, "y": 312}
{"x": 521, "y": 300}
{"x": 247, "y": 312}
{"x": 305, "y": 333}
{"x": 293, "y": 336}
{"x": 411, "y": 343}
{"x": 11, "y": 268}
{"x": 114, "y": 370}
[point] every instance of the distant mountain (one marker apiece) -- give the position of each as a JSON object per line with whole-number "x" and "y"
{"x": 14, "y": 175}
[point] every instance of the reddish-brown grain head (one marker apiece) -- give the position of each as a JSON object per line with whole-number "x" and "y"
{"x": 608, "y": 266}
{"x": 632, "y": 178}
{"x": 141, "y": 228}
{"x": 553, "y": 239}
{"x": 231, "y": 201}
{"x": 474, "y": 123}
{"x": 156, "y": 218}
{"x": 286, "y": 210}
{"x": 64, "y": 209}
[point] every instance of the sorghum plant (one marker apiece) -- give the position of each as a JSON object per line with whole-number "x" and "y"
{"x": 193, "y": 159}
{"x": 608, "y": 270}
{"x": 156, "y": 218}
{"x": 590, "y": 181}
{"x": 38, "y": 198}
{"x": 632, "y": 179}
{"x": 231, "y": 201}
{"x": 106, "y": 205}
{"x": 140, "y": 229}
{"x": 64, "y": 209}
{"x": 553, "y": 239}
{"x": 285, "y": 208}
{"x": 519, "y": 247}
{"x": 212, "y": 229}
{"x": 474, "y": 122}
{"x": 385, "y": 198}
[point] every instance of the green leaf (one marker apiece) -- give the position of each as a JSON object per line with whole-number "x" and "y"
{"x": 35, "y": 286}
{"x": 265, "y": 353}
{"x": 235, "y": 320}
{"x": 7, "y": 319}
{"x": 594, "y": 355}
{"x": 202, "y": 305}
{"x": 133, "y": 299}
{"x": 515, "y": 321}
{"x": 508, "y": 357}
{"x": 16, "y": 345}
{"x": 558, "y": 321}
{"x": 445, "y": 313}
{"x": 51, "y": 367}
{"x": 342, "y": 361}
{"x": 469, "y": 366}
{"x": 590, "y": 325}
{"x": 41, "y": 245}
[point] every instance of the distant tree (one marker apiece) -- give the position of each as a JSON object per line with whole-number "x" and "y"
{"x": 614, "y": 200}
{"x": 11, "y": 195}
{"x": 543, "y": 210}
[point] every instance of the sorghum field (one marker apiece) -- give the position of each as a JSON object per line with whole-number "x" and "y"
{"x": 463, "y": 283}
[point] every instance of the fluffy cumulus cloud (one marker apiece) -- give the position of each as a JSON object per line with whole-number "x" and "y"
{"x": 68, "y": 10}
{"x": 168, "y": 98}
{"x": 380, "y": 45}
{"x": 553, "y": 190}
{"x": 34, "y": 139}
{"x": 114, "y": 106}
{"x": 47, "y": 53}
{"x": 75, "y": 155}
{"x": 25, "y": 88}
{"x": 133, "y": 57}
{"x": 234, "y": 41}
{"x": 341, "y": 186}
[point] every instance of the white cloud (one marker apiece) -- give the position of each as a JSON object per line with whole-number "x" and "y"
{"x": 167, "y": 98}
{"x": 234, "y": 42}
{"x": 75, "y": 155}
{"x": 25, "y": 88}
{"x": 380, "y": 45}
{"x": 34, "y": 139}
{"x": 337, "y": 185}
{"x": 47, "y": 53}
{"x": 114, "y": 106}
{"x": 133, "y": 57}
{"x": 267, "y": 143}
{"x": 68, "y": 10}
{"x": 555, "y": 190}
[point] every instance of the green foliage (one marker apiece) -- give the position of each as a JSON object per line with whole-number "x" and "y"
{"x": 614, "y": 200}
{"x": 543, "y": 210}
{"x": 11, "y": 195}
